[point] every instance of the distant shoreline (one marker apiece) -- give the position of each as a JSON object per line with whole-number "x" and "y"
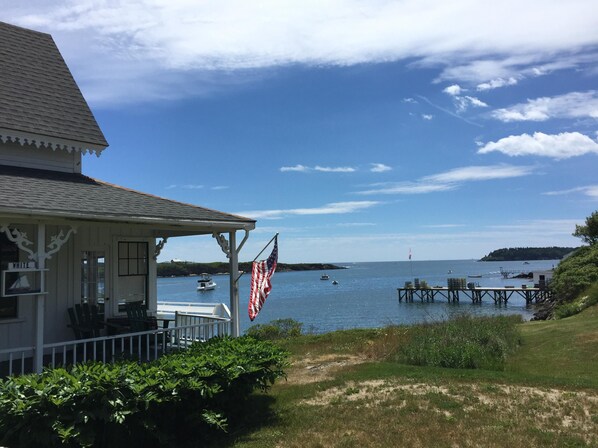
{"x": 529, "y": 253}
{"x": 191, "y": 269}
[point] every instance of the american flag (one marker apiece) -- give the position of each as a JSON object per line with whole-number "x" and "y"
{"x": 260, "y": 281}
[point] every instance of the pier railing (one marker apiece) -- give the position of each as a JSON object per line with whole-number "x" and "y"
{"x": 141, "y": 346}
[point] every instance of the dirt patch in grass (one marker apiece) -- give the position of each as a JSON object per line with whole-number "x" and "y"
{"x": 553, "y": 412}
{"x": 312, "y": 369}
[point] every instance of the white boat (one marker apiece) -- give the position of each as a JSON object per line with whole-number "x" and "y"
{"x": 324, "y": 277}
{"x": 205, "y": 283}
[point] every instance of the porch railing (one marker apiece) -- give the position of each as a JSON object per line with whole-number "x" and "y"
{"x": 141, "y": 346}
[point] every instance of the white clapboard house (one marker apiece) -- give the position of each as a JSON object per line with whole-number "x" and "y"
{"x": 68, "y": 240}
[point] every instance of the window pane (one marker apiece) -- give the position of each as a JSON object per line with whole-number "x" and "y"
{"x": 143, "y": 266}
{"x": 133, "y": 250}
{"x": 142, "y": 250}
{"x": 133, "y": 267}
{"x": 123, "y": 267}
{"x": 123, "y": 250}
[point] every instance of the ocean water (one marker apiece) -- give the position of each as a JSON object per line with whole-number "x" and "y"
{"x": 366, "y": 294}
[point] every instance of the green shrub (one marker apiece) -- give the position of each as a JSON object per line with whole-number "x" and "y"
{"x": 575, "y": 274}
{"x": 168, "y": 402}
{"x": 586, "y": 299}
{"x": 464, "y": 342}
{"x": 276, "y": 329}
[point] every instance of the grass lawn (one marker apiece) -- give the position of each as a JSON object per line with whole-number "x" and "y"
{"x": 346, "y": 389}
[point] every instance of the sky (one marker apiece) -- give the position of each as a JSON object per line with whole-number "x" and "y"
{"x": 358, "y": 130}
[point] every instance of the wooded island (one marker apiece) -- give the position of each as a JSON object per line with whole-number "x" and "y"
{"x": 186, "y": 268}
{"x": 528, "y": 253}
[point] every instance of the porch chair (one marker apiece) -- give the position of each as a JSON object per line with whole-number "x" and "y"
{"x": 85, "y": 320}
{"x": 138, "y": 318}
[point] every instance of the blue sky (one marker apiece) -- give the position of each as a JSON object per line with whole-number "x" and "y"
{"x": 358, "y": 130}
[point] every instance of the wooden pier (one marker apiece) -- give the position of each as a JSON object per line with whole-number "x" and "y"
{"x": 500, "y": 295}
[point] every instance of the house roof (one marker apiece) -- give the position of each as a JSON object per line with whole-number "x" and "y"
{"x": 75, "y": 196}
{"x": 41, "y": 102}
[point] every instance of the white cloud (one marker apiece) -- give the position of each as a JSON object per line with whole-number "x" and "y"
{"x": 408, "y": 188}
{"x": 427, "y": 117}
{"x": 220, "y": 187}
{"x": 557, "y": 146}
{"x": 570, "y": 105}
{"x": 298, "y": 168}
{"x": 321, "y": 169}
{"x": 409, "y": 100}
{"x": 443, "y": 226}
{"x": 337, "y": 169}
{"x": 356, "y": 224}
{"x": 496, "y": 83}
{"x": 186, "y": 187}
{"x": 450, "y": 180}
{"x": 131, "y": 50}
{"x": 479, "y": 173}
{"x": 335, "y": 208}
{"x": 379, "y": 168}
{"x": 462, "y": 103}
{"x": 453, "y": 90}
{"x": 589, "y": 190}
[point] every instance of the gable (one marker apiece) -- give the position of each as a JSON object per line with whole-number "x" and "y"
{"x": 40, "y": 102}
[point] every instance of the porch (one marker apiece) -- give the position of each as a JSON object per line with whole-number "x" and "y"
{"x": 143, "y": 346}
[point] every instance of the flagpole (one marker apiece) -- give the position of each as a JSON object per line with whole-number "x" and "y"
{"x": 256, "y": 257}
{"x": 262, "y": 251}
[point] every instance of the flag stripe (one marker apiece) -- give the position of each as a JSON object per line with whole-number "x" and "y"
{"x": 261, "y": 272}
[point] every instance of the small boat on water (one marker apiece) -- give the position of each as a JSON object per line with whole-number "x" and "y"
{"x": 475, "y": 276}
{"x": 334, "y": 282}
{"x": 205, "y": 283}
{"x": 325, "y": 277}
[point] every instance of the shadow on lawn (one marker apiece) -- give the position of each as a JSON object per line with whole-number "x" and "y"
{"x": 247, "y": 417}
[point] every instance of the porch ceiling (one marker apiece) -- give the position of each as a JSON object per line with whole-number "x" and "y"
{"x": 55, "y": 195}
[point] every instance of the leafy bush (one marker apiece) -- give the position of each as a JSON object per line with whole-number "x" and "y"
{"x": 276, "y": 329}
{"x": 585, "y": 300}
{"x": 575, "y": 274}
{"x": 168, "y": 402}
{"x": 464, "y": 342}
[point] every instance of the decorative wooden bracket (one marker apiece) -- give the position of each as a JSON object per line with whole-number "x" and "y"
{"x": 57, "y": 241}
{"x": 19, "y": 238}
{"x": 159, "y": 247}
{"x": 224, "y": 244}
{"x": 22, "y": 242}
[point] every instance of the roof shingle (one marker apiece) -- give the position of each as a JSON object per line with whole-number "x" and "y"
{"x": 38, "y": 92}
{"x": 66, "y": 194}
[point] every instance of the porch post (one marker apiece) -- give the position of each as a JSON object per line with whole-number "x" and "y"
{"x": 234, "y": 285}
{"x": 40, "y": 300}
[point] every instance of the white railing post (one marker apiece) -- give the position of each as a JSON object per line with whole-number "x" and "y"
{"x": 234, "y": 285}
{"x": 39, "y": 300}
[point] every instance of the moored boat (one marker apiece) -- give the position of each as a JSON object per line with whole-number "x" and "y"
{"x": 205, "y": 283}
{"x": 325, "y": 277}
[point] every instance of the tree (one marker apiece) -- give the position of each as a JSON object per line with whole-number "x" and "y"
{"x": 589, "y": 232}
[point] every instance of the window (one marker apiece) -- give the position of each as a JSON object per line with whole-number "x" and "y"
{"x": 132, "y": 258}
{"x": 133, "y": 270}
{"x": 9, "y": 253}
{"x": 93, "y": 278}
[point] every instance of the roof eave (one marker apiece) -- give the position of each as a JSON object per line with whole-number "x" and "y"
{"x": 203, "y": 226}
{"x": 39, "y": 140}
